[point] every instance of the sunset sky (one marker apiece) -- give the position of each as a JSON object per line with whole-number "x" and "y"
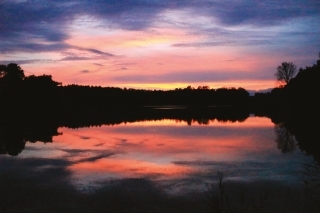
{"x": 159, "y": 44}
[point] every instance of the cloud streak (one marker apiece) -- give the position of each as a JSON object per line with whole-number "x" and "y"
{"x": 96, "y": 154}
{"x": 32, "y": 61}
{"x": 223, "y": 43}
{"x": 49, "y": 21}
{"x": 192, "y": 76}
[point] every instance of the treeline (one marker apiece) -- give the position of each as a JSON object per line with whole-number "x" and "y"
{"x": 300, "y": 94}
{"x": 42, "y": 94}
{"x": 133, "y": 97}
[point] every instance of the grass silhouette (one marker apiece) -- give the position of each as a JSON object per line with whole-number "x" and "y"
{"x": 224, "y": 198}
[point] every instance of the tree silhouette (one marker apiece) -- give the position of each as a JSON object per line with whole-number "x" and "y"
{"x": 286, "y": 142}
{"x": 11, "y": 76}
{"x": 11, "y": 72}
{"x": 11, "y": 141}
{"x": 285, "y": 72}
{"x": 40, "y": 82}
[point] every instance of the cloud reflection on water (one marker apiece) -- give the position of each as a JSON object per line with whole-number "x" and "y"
{"x": 171, "y": 153}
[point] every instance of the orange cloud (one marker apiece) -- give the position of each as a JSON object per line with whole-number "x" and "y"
{"x": 152, "y": 147}
{"x": 151, "y": 54}
{"x": 129, "y": 168}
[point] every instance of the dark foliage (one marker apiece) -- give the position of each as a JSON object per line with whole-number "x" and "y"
{"x": 285, "y": 72}
{"x": 11, "y": 74}
{"x": 296, "y": 128}
{"x": 301, "y": 93}
{"x": 41, "y": 96}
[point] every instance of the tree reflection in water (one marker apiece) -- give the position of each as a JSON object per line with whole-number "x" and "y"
{"x": 11, "y": 142}
{"x": 26, "y": 180}
{"x": 286, "y": 141}
{"x": 14, "y": 136}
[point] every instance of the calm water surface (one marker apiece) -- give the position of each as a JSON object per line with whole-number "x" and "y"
{"x": 176, "y": 157}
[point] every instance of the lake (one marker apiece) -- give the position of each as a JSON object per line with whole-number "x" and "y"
{"x": 161, "y": 165}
